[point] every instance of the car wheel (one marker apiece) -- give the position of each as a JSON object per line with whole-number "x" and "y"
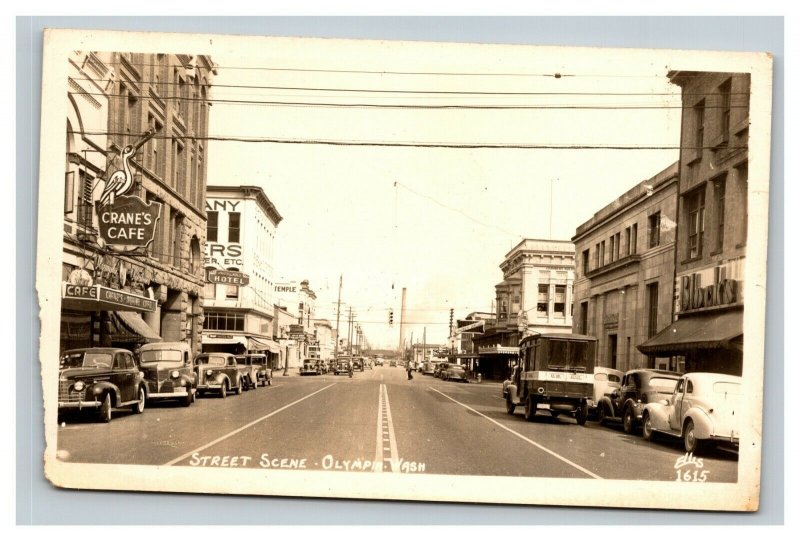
{"x": 223, "y": 391}
{"x": 627, "y": 420}
{"x": 690, "y": 441}
{"x": 239, "y": 387}
{"x": 647, "y": 427}
{"x": 139, "y": 406}
{"x": 510, "y": 406}
{"x": 582, "y": 414}
{"x": 602, "y": 415}
{"x": 105, "y": 409}
{"x": 530, "y": 409}
{"x": 187, "y": 401}
{"x": 269, "y": 381}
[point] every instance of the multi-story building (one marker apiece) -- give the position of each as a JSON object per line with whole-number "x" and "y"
{"x": 324, "y": 341}
{"x": 136, "y": 129}
{"x": 534, "y": 296}
{"x": 625, "y": 270}
{"x": 296, "y": 305}
{"x": 239, "y": 311}
{"x": 712, "y": 224}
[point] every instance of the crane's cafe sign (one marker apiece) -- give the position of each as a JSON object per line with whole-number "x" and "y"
{"x": 96, "y": 297}
{"x": 128, "y": 222}
{"x": 234, "y": 278}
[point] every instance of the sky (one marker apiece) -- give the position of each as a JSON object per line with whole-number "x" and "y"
{"x": 436, "y": 221}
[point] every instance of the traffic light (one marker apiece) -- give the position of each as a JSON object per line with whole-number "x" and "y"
{"x": 391, "y": 317}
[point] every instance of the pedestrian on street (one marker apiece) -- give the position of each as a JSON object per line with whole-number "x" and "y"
{"x": 408, "y": 371}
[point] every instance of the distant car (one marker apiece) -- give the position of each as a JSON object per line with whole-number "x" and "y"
{"x": 358, "y": 364}
{"x": 427, "y": 367}
{"x": 638, "y": 387}
{"x": 343, "y": 366}
{"x": 606, "y": 381}
{"x": 219, "y": 372}
{"x": 439, "y": 369}
{"x": 701, "y": 410}
{"x": 169, "y": 371}
{"x": 378, "y": 362}
{"x": 322, "y": 366}
{"x": 101, "y": 379}
{"x": 310, "y": 368}
{"x": 254, "y": 368}
{"x": 392, "y": 363}
{"x": 455, "y": 372}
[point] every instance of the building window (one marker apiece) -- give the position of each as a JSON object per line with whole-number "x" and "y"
{"x": 178, "y": 166}
{"x": 177, "y": 244}
{"x": 233, "y": 226}
{"x": 699, "y": 126}
{"x": 232, "y": 291}
{"x": 602, "y": 253}
{"x": 584, "y": 328}
{"x": 544, "y": 299}
{"x": 652, "y": 309}
{"x": 560, "y": 306}
{"x": 585, "y": 262}
{"x": 634, "y": 236}
{"x": 69, "y": 192}
{"x": 725, "y": 110}
{"x": 212, "y": 227}
{"x": 695, "y": 209}
{"x": 612, "y": 350}
{"x": 719, "y": 201}
{"x": 741, "y": 173}
{"x": 222, "y": 321}
{"x": 613, "y": 245}
{"x": 654, "y": 230}
{"x": 503, "y": 309}
{"x": 597, "y": 262}
{"x": 616, "y": 246}
{"x": 627, "y": 241}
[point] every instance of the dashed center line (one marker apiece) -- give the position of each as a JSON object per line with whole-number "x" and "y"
{"x": 385, "y": 443}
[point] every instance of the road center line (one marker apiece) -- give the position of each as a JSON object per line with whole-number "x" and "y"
{"x": 378, "y": 463}
{"x": 395, "y": 462}
{"x": 504, "y": 427}
{"x": 248, "y": 425}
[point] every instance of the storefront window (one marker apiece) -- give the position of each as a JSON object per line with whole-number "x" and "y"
{"x": 543, "y": 300}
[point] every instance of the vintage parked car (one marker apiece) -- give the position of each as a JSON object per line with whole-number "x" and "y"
{"x": 379, "y": 361}
{"x": 438, "y": 369}
{"x": 510, "y": 380}
{"x": 428, "y": 367}
{"x": 638, "y": 387}
{"x": 358, "y": 364}
{"x": 168, "y": 371}
{"x": 219, "y": 372}
{"x": 100, "y": 379}
{"x": 701, "y": 410}
{"x": 310, "y": 368}
{"x": 455, "y": 372}
{"x": 606, "y": 381}
{"x": 255, "y": 369}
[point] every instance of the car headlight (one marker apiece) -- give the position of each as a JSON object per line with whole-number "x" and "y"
{"x": 209, "y": 372}
{"x": 79, "y": 386}
{"x": 175, "y": 374}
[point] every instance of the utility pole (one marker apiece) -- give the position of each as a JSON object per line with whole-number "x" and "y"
{"x": 338, "y": 306}
{"x": 402, "y": 322}
{"x": 424, "y": 342}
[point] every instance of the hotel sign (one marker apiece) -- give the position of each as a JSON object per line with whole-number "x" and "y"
{"x": 234, "y": 278}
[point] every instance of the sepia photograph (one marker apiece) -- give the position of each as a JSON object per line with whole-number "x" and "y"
{"x": 393, "y": 270}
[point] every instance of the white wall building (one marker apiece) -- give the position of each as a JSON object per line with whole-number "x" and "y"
{"x": 242, "y": 224}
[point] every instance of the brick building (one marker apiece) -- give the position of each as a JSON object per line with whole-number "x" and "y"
{"x": 625, "y": 270}
{"x": 157, "y": 105}
{"x": 712, "y": 224}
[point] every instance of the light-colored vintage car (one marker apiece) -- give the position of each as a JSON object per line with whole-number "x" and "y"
{"x": 606, "y": 381}
{"x": 169, "y": 372}
{"x": 702, "y": 410}
{"x": 219, "y": 373}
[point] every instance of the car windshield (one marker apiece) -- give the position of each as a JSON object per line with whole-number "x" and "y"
{"x": 663, "y": 385}
{"x": 161, "y": 355}
{"x": 85, "y": 359}
{"x": 241, "y": 360}
{"x": 213, "y": 360}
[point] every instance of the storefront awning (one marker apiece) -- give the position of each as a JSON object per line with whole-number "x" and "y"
{"x": 225, "y": 339}
{"x": 498, "y": 350}
{"x": 95, "y": 298}
{"x": 131, "y": 326}
{"x": 262, "y": 344}
{"x": 708, "y": 331}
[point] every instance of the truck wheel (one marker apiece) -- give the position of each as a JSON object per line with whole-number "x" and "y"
{"x": 530, "y": 409}
{"x": 510, "y": 406}
{"x": 582, "y": 414}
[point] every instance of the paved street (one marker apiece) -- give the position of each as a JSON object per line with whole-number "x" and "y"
{"x": 377, "y": 421}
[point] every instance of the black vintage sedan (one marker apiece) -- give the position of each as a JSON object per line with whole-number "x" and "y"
{"x": 454, "y": 372}
{"x": 100, "y": 379}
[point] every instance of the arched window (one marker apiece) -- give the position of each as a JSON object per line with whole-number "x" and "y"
{"x": 194, "y": 255}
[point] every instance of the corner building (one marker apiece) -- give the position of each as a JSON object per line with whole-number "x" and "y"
{"x": 125, "y": 298}
{"x": 625, "y": 270}
{"x": 242, "y": 225}
{"x": 711, "y": 240}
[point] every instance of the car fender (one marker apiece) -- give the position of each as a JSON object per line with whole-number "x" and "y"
{"x": 512, "y": 391}
{"x": 219, "y": 378}
{"x": 636, "y": 407}
{"x": 703, "y": 425}
{"x": 99, "y": 388}
{"x": 606, "y": 403}
{"x": 659, "y": 416}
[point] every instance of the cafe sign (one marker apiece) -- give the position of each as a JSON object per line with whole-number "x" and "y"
{"x": 96, "y": 297}
{"x": 234, "y": 278}
{"x": 128, "y": 222}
